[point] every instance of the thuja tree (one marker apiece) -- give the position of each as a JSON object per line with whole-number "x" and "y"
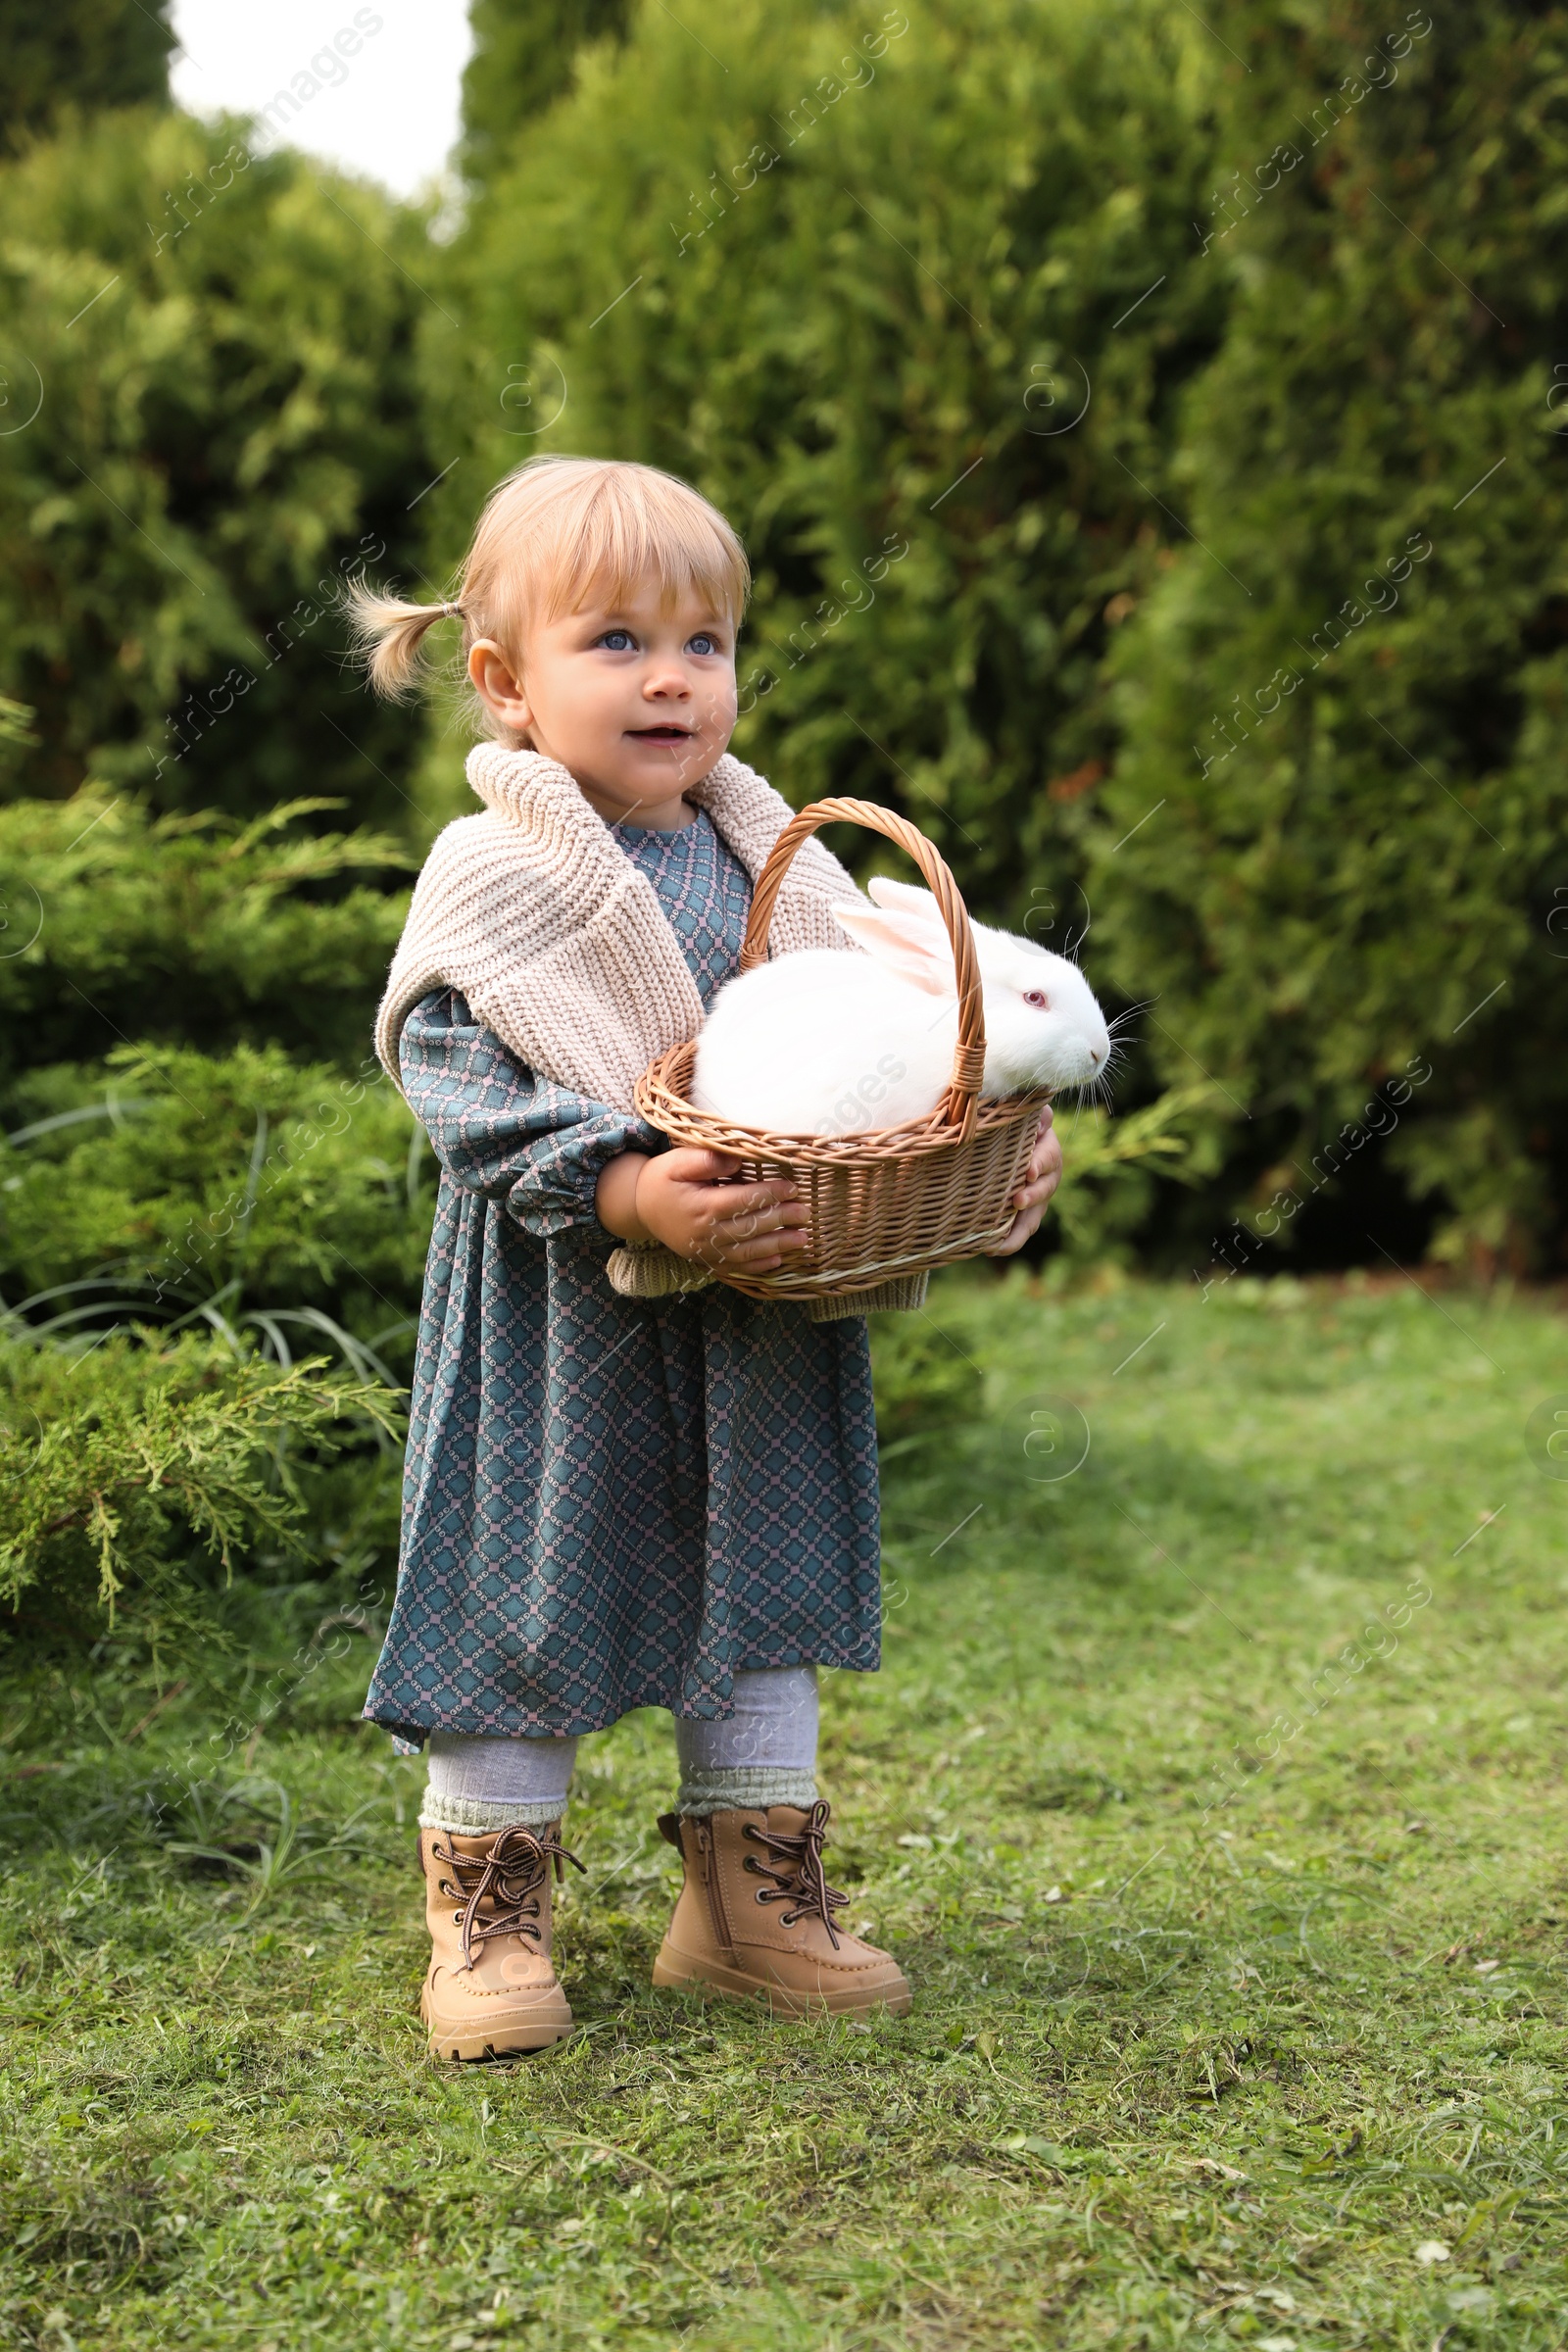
{"x": 77, "y": 54}
{"x": 1333, "y": 845}
{"x": 523, "y": 59}
{"x": 210, "y": 423}
{"x": 911, "y": 294}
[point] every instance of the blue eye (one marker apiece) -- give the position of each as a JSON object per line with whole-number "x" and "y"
{"x": 702, "y": 643}
{"x": 618, "y": 641}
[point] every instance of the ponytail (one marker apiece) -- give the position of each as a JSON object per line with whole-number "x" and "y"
{"x": 389, "y": 636}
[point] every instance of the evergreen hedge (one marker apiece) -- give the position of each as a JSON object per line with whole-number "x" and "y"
{"x": 523, "y": 54}
{"x": 1344, "y": 703}
{"x": 77, "y": 54}
{"x": 1256, "y": 667}
{"x": 856, "y": 273}
{"x": 212, "y": 419}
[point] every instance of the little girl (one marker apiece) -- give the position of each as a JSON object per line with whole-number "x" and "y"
{"x": 613, "y": 1499}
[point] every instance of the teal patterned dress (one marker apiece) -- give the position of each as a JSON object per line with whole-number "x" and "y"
{"x": 608, "y": 1503}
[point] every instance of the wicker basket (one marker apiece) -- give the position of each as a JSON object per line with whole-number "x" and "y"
{"x": 889, "y": 1205}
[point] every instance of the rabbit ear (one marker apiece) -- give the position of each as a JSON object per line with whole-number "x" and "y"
{"x": 905, "y": 897}
{"x": 903, "y": 944}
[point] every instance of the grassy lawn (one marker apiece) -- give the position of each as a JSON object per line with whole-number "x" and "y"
{"x": 1211, "y": 1794}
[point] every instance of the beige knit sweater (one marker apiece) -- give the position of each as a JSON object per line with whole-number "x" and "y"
{"x": 535, "y": 915}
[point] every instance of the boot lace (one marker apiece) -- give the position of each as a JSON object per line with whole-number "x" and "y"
{"x": 795, "y": 1864}
{"x": 499, "y": 1889}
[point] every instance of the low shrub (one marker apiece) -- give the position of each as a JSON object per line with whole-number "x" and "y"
{"x": 136, "y": 1477}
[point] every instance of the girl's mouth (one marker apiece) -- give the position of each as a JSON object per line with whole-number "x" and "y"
{"x": 660, "y": 734}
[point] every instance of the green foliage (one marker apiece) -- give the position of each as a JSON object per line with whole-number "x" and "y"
{"x": 247, "y": 1187}
{"x": 851, "y": 272}
{"x": 217, "y": 343}
{"x": 1216, "y": 2021}
{"x": 224, "y": 433}
{"x": 923, "y": 1379}
{"x": 1113, "y": 1167}
{"x": 836, "y": 269}
{"x": 253, "y": 1189}
{"x": 15, "y": 722}
{"x": 1345, "y": 704}
{"x": 1260, "y": 656}
{"x": 122, "y": 1467}
{"x": 200, "y": 929}
{"x": 523, "y": 55}
{"x": 78, "y": 52}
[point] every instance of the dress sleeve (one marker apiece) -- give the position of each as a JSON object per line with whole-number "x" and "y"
{"x": 499, "y": 1130}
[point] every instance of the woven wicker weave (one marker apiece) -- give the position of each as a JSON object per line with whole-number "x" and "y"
{"x": 885, "y": 1207}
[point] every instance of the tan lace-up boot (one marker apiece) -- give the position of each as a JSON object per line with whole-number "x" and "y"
{"x": 491, "y": 1988}
{"x": 754, "y": 1919}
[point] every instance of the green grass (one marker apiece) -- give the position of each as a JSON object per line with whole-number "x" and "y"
{"x": 1232, "y": 1990}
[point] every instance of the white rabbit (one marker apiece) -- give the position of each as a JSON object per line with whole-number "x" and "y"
{"x": 824, "y": 1044}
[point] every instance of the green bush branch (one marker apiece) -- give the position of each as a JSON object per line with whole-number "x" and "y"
{"x": 159, "y": 1449}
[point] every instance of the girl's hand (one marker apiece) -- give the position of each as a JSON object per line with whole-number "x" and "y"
{"x": 681, "y": 1199}
{"x": 1040, "y": 1181}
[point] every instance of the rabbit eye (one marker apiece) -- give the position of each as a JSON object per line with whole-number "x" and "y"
{"x": 1037, "y": 996}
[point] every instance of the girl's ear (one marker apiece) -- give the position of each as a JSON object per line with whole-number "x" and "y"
{"x": 501, "y": 692}
{"x": 903, "y": 944}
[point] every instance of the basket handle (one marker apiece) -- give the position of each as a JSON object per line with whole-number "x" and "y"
{"x": 958, "y": 1105}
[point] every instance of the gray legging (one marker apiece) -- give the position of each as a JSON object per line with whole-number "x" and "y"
{"x": 763, "y": 1754}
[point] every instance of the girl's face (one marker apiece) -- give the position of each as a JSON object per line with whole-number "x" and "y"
{"x": 635, "y": 702}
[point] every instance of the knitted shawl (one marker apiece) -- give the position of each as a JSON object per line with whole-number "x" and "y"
{"x": 534, "y": 913}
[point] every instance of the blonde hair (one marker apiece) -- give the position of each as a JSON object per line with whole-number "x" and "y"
{"x": 552, "y": 536}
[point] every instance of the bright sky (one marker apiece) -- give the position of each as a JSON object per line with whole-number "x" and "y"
{"x": 375, "y": 89}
